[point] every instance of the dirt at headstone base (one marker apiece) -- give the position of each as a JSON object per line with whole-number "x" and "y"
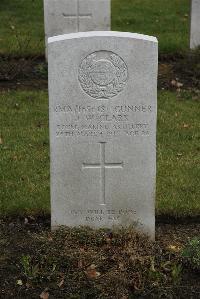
{"x": 176, "y": 72}
{"x": 84, "y": 263}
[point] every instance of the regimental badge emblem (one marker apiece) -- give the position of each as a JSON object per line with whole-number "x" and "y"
{"x": 103, "y": 74}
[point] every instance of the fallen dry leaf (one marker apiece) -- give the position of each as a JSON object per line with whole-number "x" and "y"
{"x": 176, "y": 84}
{"x": 44, "y": 294}
{"x": 19, "y": 282}
{"x": 173, "y": 82}
{"x": 174, "y": 248}
{"x": 179, "y": 85}
{"x": 91, "y": 272}
{"x": 61, "y": 283}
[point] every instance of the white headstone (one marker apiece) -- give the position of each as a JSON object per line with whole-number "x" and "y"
{"x": 195, "y": 24}
{"x": 103, "y": 99}
{"x": 68, "y": 16}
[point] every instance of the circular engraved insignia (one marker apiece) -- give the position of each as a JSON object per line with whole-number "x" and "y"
{"x": 103, "y": 74}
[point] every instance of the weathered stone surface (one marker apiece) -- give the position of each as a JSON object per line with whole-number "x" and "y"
{"x": 103, "y": 103}
{"x": 195, "y": 24}
{"x": 67, "y": 16}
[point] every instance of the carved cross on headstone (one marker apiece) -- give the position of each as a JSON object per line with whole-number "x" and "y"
{"x": 78, "y": 16}
{"x": 102, "y": 166}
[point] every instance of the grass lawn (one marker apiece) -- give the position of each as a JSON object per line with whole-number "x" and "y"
{"x": 178, "y": 155}
{"x": 22, "y": 32}
{"x": 167, "y": 20}
{"x": 24, "y": 154}
{"x": 22, "y": 29}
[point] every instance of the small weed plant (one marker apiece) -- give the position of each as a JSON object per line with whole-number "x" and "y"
{"x": 191, "y": 253}
{"x": 29, "y": 270}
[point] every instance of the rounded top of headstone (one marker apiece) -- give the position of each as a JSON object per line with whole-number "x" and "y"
{"x": 102, "y": 34}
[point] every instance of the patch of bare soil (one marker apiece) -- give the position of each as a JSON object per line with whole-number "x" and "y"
{"x": 84, "y": 263}
{"x": 176, "y": 72}
{"x": 23, "y": 73}
{"x": 180, "y": 72}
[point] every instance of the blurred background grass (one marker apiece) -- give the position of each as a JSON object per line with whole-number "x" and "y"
{"x": 22, "y": 24}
